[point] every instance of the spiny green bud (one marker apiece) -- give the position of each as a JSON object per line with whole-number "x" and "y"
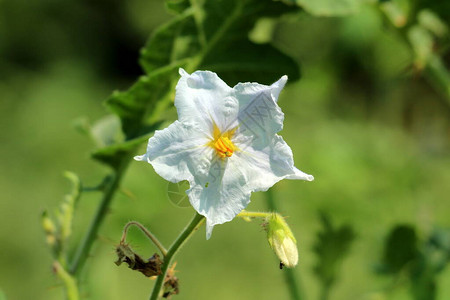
{"x": 281, "y": 240}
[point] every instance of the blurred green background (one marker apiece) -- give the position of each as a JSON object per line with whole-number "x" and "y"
{"x": 373, "y": 132}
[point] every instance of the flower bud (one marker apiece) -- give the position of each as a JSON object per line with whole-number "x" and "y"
{"x": 49, "y": 229}
{"x": 281, "y": 240}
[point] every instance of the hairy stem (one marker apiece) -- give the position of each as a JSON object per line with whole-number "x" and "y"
{"x": 183, "y": 237}
{"x": 289, "y": 274}
{"x": 150, "y": 235}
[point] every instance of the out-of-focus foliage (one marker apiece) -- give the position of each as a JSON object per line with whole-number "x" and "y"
{"x": 405, "y": 255}
{"x": 332, "y": 246}
{"x": 214, "y": 36}
{"x": 400, "y": 249}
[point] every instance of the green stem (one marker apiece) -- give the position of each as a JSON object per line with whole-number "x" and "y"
{"x": 69, "y": 281}
{"x": 289, "y": 274}
{"x": 252, "y": 214}
{"x": 184, "y": 235}
{"x": 325, "y": 292}
{"x": 83, "y": 250}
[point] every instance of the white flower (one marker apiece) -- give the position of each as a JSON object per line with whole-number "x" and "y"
{"x": 224, "y": 143}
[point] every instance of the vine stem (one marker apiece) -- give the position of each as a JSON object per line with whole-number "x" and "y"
{"x": 289, "y": 274}
{"x": 83, "y": 250}
{"x": 180, "y": 240}
{"x": 150, "y": 235}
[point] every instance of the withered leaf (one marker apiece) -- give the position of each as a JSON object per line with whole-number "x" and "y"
{"x": 170, "y": 286}
{"x": 149, "y": 268}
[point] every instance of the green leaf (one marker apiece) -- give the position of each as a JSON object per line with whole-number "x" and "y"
{"x": 114, "y": 155}
{"x": 213, "y": 35}
{"x": 400, "y": 248}
{"x": 233, "y": 63}
{"x": 331, "y": 247}
{"x": 173, "y": 41}
{"x": 329, "y": 8}
{"x": 225, "y": 28}
{"x": 2, "y": 295}
{"x": 134, "y": 105}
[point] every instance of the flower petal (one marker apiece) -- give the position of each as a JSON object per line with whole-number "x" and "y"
{"x": 224, "y": 190}
{"x": 176, "y": 153}
{"x": 220, "y": 194}
{"x": 204, "y": 98}
{"x": 260, "y": 117}
{"x": 277, "y": 86}
{"x": 265, "y": 167}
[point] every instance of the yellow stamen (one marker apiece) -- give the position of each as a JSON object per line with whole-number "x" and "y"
{"x": 224, "y": 147}
{"x": 222, "y": 142}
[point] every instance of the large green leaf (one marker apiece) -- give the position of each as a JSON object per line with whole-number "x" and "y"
{"x": 135, "y": 104}
{"x": 214, "y": 35}
{"x": 225, "y": 28}
{"x": 252, "y": 62}
{"x": 171, "y": 42}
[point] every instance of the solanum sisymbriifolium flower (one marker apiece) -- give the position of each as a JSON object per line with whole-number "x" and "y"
{"x": 224, "y": 143}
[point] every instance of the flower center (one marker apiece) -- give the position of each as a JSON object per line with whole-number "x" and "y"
{"x": 224, "y": 147}
{"x": 222, "y": 143}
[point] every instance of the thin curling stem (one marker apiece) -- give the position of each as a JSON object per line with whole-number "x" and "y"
{"x": 150, "y": 235}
